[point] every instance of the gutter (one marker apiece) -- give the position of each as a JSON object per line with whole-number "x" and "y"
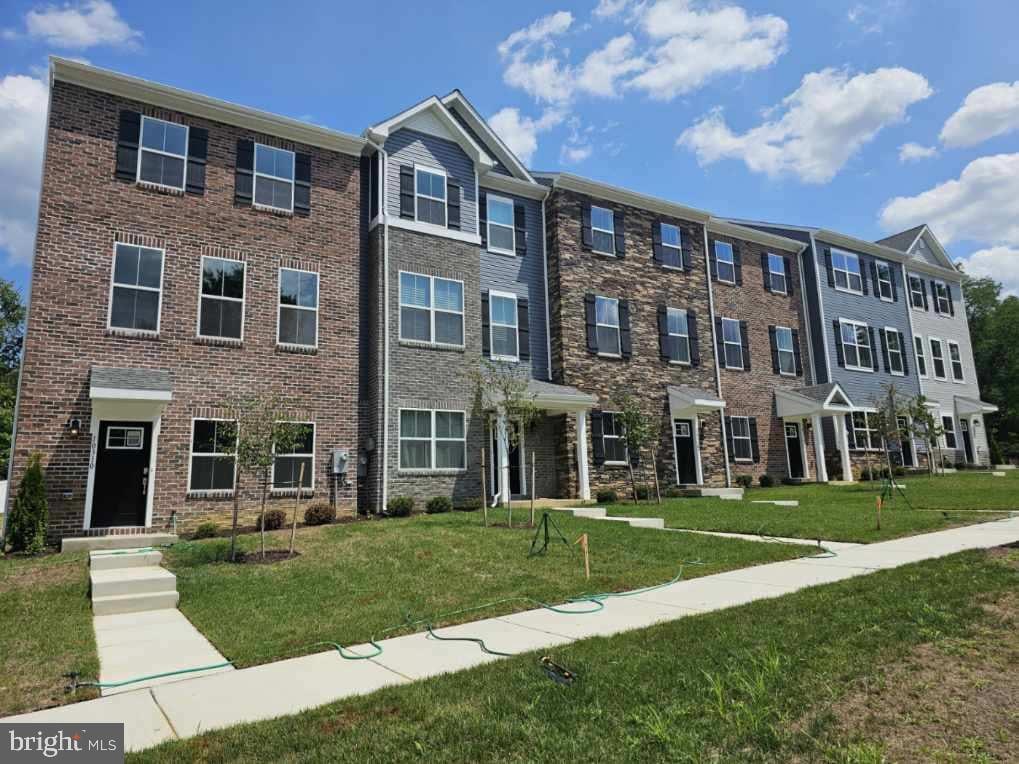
{"x": 714, "y": 354}
{"x": 383, "y": 441}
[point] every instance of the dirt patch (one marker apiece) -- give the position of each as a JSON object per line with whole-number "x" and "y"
{"x": 271, "y": 556}
{"x": 31, "y": 576}
{"x": 351, "y": 717}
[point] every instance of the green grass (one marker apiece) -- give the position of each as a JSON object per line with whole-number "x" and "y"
{"x": 45, "y": 630}
{"x": 754, "y": 683}
{"x": 353, "y": 581}
{"x": 843, "y": 512}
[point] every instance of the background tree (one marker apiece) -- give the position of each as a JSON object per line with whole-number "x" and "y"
{"x": 12, "y": 333}
{"x": 640, "y": 432}
{"x": 26, "y": 529}
{"x": 889, "y": 406}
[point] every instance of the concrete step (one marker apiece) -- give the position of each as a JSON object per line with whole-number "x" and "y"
{"x": 592, "y": 513}
{"x": 87, "y": 543}
{"x": 120, "y": 581}
{"x": 1000, "y": 467}
{"x": 127, "y": 558}
{"x": 721, "y": 493}
{"x": 639, "y": 522}
{"x": 134, "y": 603}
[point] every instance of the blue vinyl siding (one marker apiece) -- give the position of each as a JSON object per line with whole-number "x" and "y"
{"x": 500, "y": 168}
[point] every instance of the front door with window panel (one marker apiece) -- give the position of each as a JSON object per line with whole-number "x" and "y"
{"x": 686, "y": 457}
{"x": 967, "y": 442}
{"x": 515, "y": 466}
{"x": 795, "y": 448}
{"x": 906, "y": 442}
{"x": 121, "y": 485}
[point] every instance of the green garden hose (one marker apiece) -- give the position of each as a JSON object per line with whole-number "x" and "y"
{"x": 125, "y": 682}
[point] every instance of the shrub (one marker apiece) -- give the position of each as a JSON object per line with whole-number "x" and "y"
{"x": 26, "y": 528}
{"x": 468, "y": 505}
{"x": 995, "y": 452}
{"x": 643, "y": 492}
{"x": 766, "y": 481}
{"x": 606, "y": 497}
{"x": 899, "y": 471}
{"x": 744, "y": 481}
{"x": 400, "y": 506}
{"x": 673, "y": 492}
{"x": 274, "y": 520}
{"x": 438, "y": 504}
{"x": 206, "y": 531}
{"x": 319, "y": 513}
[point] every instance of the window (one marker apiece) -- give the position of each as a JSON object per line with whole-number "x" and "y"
{"x": 943, "y": 297}
{"x": 864, "y": 433}
{"x": 884, "y": 281}
{"x": 732, "y": 339}
{"x": 612, "y": 438}
{"x": 921, "y": 358}
{"x": 679, "y": 332}
{"x": 955, "y": 357}
{"x": 430, "y": 196}
{"x": 221, "y": 308}
{"x": 938, "y": 358}
{"x": 606, "y": 311}
{"x": 916, "y": 292}
{"x": 137, "y": 288}
{"x": 286, "y": 467}
{"x": 501, "y": 233}
{"x": 125, "y": 438}
{"x": 948, "y": 424}
{"x": 162, "y": 160}
{"x": 742, "y": 446}
{"x": 274, "y": 178}
{"x": 430, "y": 438}
{"x": 856, "y": 346}
{"x": 298, "y": 317}
{"x": 502, "y": 309}
{"x": 213, "y": 455}
{"x": 431, "y": 309}
{"x": 603, "y": 230}
{"x": 672, "y": 246}
{"x": 725, "y": 262}
{"x": 776, "y": 273}
{"x": 894, "y": 346}
{"x": 786, "y": 353}
{"x": 847, "y": 271}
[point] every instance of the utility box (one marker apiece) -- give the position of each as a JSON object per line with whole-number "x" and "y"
{"x": 340, "y": 458}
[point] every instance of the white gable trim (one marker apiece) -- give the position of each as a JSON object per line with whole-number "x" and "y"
{"x": 936, "y": 248}
{"x": 480, "y": 126}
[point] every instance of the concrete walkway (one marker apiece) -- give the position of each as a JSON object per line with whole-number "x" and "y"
{"x": 834, "y": 546}
{"x": 188, "y": 707}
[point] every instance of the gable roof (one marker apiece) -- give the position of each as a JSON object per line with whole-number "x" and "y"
{"x": 465, "y": 109}
{"x": 903, "y": 240}
{"x": 913, "y": 235}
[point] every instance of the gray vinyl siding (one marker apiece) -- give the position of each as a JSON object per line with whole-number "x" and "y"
{"x": 525, "y": 277}
{"x": 500, "y": 168}
{"x": 923, "y": 253}
{"x": 410, "y": 147}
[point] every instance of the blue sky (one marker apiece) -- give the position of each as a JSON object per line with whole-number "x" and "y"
{"x": 769, "y": 110}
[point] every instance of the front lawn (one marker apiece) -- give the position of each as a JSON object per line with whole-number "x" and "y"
{"x": 843, "y": 512}
{"x": 45, "y": 631}
{"x": 353, "y": 581}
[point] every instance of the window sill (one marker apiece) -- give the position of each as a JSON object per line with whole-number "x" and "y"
{"x": 603, "y": 254}
{"x": 285, "y": 347}
{"x": 219, "y": 341}
{"x": 723, "y": 281}
{"x": 887, "y": 299}
{"x": 503, "y": 252}
{"x": 159, "y": 188}
{"x": 223, "y": 494}
{"x": 847, "y": 290}
{"x": 273, "y": 210}
{"x": 615, "y": 465}
{"x": 788, "y": 374}
{"x": 614, "y": 356}
{"x": 864, "y": 369}
{"x": 284, "y": 492}
{"x": 432, "y": 346}
{"x": 686, "y": 364}
{"x": 431, "y": 473}
{"x": 741, "y": 460}
{"x": 665, "y": 267}
{"x": 142, "y": 334}
{"x": 732, "y": 368}
{"x": 505, "y": 358}
{"x": 897, "y": 373}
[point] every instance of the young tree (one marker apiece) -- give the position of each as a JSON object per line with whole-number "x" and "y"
{"x": 926, "y": 427}
{"x": 640, "y": 432}
{"x": 26, "y": 529}
{"x": 12, "y": 332}
{"x": 889, "y": 407}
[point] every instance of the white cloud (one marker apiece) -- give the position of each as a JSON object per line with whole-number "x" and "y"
{"x": 602, "y": 68}
{"x": 22, "y": 129}
{"x": 531, "y": 63}
{"x": 553, "y": 25}
{"x": 575, "y": 154}
{"x": 987, "y": 112}
{"x": 609, "y": 8}
{"x": 520, "y": 133}
{"x": 914, "y": 152}
{"x": 825, "y": 122}
{"x": 81, "y": 25}
{"x": 999, "y": 263}
{"x": 981, "y": 205}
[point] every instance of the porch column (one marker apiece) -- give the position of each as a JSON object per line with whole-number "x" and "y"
{"x": 584, "y": 488}
{"x": 696, "y": 448}
{"x": 842, "y": 438}
{"x": 803, "y": 448}
{"x": 502, "y": 438}
{"x": 822, "y": 468}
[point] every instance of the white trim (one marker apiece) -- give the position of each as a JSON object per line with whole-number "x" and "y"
{"x": 280, "y": 306}
{"x": 126, "y": 446}
{"x": 428, "y": 228}
{"x": 791, "y": 352}
{"x": 314, "y": 447}
{"x": 677, "y": 248}
{"x": 122, "y": 394}
{"x": 255, "y": 175}
{"x": 961, "y": 380}
{"x": 739, "y": 330}
{"x": 731, "y": 263}
{"x": 714, "y": 355}
{"x": 788, "y": 455}
{"x": 920, "y": 352}
{"x": 156, "y": 421}
{"x": 909, "y": 288}
{"x": 201, "y": 296}
{"x": 856, "y": 344}
{"x": 617, "y": 326}
{"x": 878, "y": 264}
{"x": 619, "y": 195}
{"x": 772, "y": 273}
{"x": 480, "y": 126}
{"x": 191, "y": 457}
{"x": 944, "y": 359}
{"x": 746, "y": 233}
{"x": 848, "y": 289}
{"x": 113, "y": 283}
{"x": 944, "y": 436}
{"x": 510, "y": 185}
{"x": 445, "y": 196}
{"x": 749, "y": 438}
{"x": 684, "y": 337}
{"x": 494, "y": 470}
{"x": 937, "y": 297}
{"x": 620, "y": 437}
{"x": 515, "y": 325}
{"x": 544, "y": 281}
{"x": 183, "y": 157}
{"x": 891, "y": 330}
{"x": 431, "y": 311}
{"x": 611, "y": 232}
{"x": 872, "y": 433}
{"x": 512, "y": 251}
{"x": 432, "y": 439}
{"x": 696, "y": 441}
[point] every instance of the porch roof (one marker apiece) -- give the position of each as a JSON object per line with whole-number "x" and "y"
{"x": 130, "y": 384}
{"x": 969, "y": 406}
{"x": 553, "y": 397}
{"x": 692, "y": 400}
{"x": 828, "y": 399}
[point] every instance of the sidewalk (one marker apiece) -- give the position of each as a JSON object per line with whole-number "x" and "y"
{"x": 190, "y": 706}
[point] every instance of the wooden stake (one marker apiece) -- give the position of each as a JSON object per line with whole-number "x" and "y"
{"x": 484, "y": 492}
{"x": 654, "y": 469}
{"x": 879, "y": 513}
{"x": 532, "y": 488}
{"x": 587, "y": 558}
{"x": 297, "y": 506}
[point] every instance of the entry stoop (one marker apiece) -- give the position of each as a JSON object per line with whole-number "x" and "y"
{"x": 130, "y": 581}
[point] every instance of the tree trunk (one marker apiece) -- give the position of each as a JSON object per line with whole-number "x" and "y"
{"x": 233, "y": 528}
{"x": 297, "y": 507}
{"x": 261, "y": 523}
{"x": 654, "y": 468}
{"x": 633, "y": 479}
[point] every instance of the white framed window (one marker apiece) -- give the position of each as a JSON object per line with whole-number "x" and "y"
{"x": 916, "y": 292}
{"x": 286, "y": 467}
{"x": 606, "y": 313}
{"x": 613, "y": 439}
{"x": 865, "y": 434}
{"x": 742, "y": 444}
{"x": 433, "y": 439}
{"x": 884, "y": 281}
{"x": 846, "y": 267}
{"x": 501, "y": 231}
{"x": 895, "y": 350}
{"x": 502, "y": 311}
{"x": 274, "y": 178}
{"x": 136, "y": 291}
{"x": 298, "y": 308}
{"x": 859, "y": 355}
{"x": 955, "y": 358}
{"x": 725, "y": 262}
{"x": 125, "y": 438}
{"x": 163, "y": 155}
{"x": 776, "y": 273}
{"x": 678, "y": 327}
{"x": 943, "y": 297}
{"x": 948, "y": 425}
{"x": 213, "y": 465}
{"x": 603, "y": 230}
{"x": 431, "y": 309}
{"x": 732, "y": 342}
{"x": 672, "y": 245}
{"x": 938, "y": 358}
{"x": 221, "y": 298}
{"x": 430, "y": 195}
{"x": 921, "y": 356}
{"x": 786, "y": 353}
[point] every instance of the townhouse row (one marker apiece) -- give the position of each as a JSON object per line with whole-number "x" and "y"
{"x": 191, "y": 252}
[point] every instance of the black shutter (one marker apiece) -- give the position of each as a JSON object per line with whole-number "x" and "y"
{"x": 664, "y": 340}
{"x": 840, "y": 353}
{"x": 744, "y": 338}
{"x": 619, "y": 226}
{"x": 302, "y": 184}
{"x": 712, "y": 262}
{"x": 686, "y": 247}
{"x": 884, "y": 349}
{"x": 198, "y": 154}
{"x": 486, "y": 331}
{"x": 483, "y": 217}
{"x": 586, "y": 239}
{"x": 625, "y": 345}
{"x": 597, "y": 435}
{"x": 934, "y": 295}
{"x": 452, "y": 206}
{"x": 873, "y": 348}
{"x": 728, "y": 439}
{"x": 828, "y": 267}
{"x": 902, "y": 351}
{"x": 951, "y": 300}
{"x": 788, "y": 263}
{"x": 592, "y": 326}
{"x": 520, "y": 226}
{"x": 766, "y": 273}
{"x": 774, "y": 350}
{"x": 244, "y": 178}
{"x": 523, "y": 329}
{"x": 406, "y": 191}
{"x": 796, "y": 353}
{"x": 850, "y": 432}
{"x": 656, "y": 241}
{"x": 923, "y": 290}
{"x": 863, "y": 276}
{"x": 754, "y": 445}
{"x": 895, "y": 283}
{"x": 695, "y": 343}
{"x": 128, "y": 138}
{"x": 737, "y": 260}
{"x": 874, "y": 280}
{"x": 719, "y": 342}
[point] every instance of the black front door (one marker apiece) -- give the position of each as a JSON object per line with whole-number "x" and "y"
{"x": 967, "y": 444}
{"x": 906, "y": 442}
{"x": 121, "y": 486}
{"x": 686, "y": 463}
{"x": 514, "y": 463}
{"x": 795, "y": 449}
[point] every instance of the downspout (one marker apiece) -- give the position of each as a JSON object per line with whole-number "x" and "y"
{"x": 714, "y": 354}
{"x": 384, "y": 216}
{"x": 544, "y": 280}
